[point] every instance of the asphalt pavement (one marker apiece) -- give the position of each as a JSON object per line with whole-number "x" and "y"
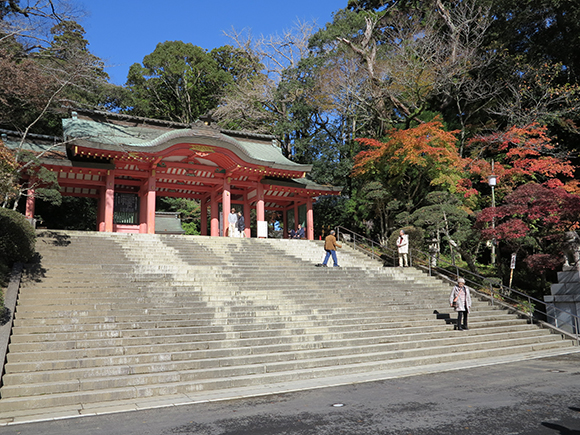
{"x": 530, "y": 397}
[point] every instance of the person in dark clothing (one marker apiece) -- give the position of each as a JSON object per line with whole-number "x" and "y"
{"x": 299, "y": 232}
{"x": 241, "y": 224}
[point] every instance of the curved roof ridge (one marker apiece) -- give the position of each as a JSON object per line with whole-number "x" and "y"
{"x": 126, "y": 117}
{"x": 184, "y": 132}
{"x": 142, "y": 138}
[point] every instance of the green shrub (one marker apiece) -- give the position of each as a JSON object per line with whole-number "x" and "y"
{"x": 4, "y": 273}
{"x": 17, "y": 238}
{"x": 190, "y": 228}
{"x": 527, "y": 307}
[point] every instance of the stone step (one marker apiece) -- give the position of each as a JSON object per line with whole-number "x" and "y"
{"x": 210, "y": 359}
{"x": 117, "y": 394}
{"x": 202, "y": 292}
{"x": 288, "y": 333}
{"x": 260, "y": 285}
{"x": 164, "y": 320}
{"x": 36, "y": 333}
{"x": 411, "y": 334}
{"x": 139, "y": 328}
{"x": 199, "y": 285}
{"x": 107, "y": 389}
{"x": 56, "y": 350}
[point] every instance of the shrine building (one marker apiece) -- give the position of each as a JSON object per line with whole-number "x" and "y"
{"x": 126, "y": 162}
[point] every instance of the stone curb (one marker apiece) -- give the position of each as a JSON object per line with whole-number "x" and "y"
{"x": 10, "y": 297}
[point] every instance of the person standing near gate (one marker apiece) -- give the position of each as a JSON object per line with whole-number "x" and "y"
{"x": 403, "y": 247}
{"x": 232, "y": 221}
{"x": 330, "y": 246}
{"x": 241, "y": 225}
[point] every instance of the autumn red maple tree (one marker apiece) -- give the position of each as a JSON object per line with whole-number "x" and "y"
{"x": 521, "y": 155}
{"x": 532, "y": 220}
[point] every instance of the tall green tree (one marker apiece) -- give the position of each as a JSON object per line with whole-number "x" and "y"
{"x": 178, "y": 82}
{"x": 529, "y": 68}
{"x": 89, "y": 85}
{"x": 447, "y": 224}
{"x": 38, "y": 74}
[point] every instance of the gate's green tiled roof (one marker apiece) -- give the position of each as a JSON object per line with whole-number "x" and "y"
{"x": 256, "y": 149}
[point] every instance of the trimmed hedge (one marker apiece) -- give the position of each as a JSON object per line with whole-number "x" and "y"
{"x": 17, "y": 238}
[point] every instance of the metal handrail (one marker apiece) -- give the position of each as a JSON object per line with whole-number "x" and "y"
{"x": 475, "y": 280}
{"x": 363, "y": 243}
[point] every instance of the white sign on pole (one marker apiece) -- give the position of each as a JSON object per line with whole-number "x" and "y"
{"x": 513, "y": 263}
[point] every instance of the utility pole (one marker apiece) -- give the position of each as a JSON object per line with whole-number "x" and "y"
{"x": 492, "y": 180}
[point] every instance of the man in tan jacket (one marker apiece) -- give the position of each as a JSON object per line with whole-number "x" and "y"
{"x": 330, "y": 246}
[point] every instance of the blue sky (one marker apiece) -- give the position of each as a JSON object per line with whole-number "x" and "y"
{"x": 122, "y": 32}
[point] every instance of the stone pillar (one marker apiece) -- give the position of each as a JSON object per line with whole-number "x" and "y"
{"x": 564, "y": 300}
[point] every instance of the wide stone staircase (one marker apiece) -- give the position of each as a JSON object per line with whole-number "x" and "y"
{"x": 112, "y": 317}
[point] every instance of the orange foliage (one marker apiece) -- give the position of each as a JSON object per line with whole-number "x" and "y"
{"x": 7, "y": 160}
{"x": 525, "y": 154}
{"x": 426, "y": 150}
{"x": 8, "y": 167}
{"x": 422, "y": 146}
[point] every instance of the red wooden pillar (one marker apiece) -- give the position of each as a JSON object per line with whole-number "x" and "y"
{"x": 149, "y": 204}
{"x": 215, "y": 220}
{"x": 309, "y": 220}
{"x": 260, "y": 203}
{"x": 260, "y": 218}
{"x": 143, "y": 208}
{"x": 296, "y": 216}
{"x": 30, "y": 204}
{"x": 203, "y": 211}
{"x": 101, "y": 209}
{"x": 108, "y": 202}
{"x": 247, "y": 212}
{"x": 285, "y": 221}
{"x": 226, "y": 205}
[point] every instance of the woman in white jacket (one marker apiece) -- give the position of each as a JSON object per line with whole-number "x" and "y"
{"x": 460, "y": 299}
{"x": 403, "y": 248}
